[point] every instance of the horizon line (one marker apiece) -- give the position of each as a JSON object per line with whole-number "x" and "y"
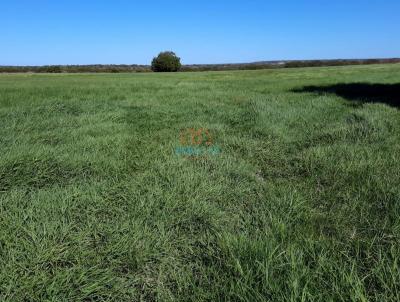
{"x": 208, "y": 64}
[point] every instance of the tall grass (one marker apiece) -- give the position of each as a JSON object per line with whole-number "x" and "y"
{"x": 301, "y": 204}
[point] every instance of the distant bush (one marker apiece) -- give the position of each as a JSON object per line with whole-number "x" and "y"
{"x": 50, "y": 69}
{"x": 166, "y": 61}
{"x": 143, "y": 69}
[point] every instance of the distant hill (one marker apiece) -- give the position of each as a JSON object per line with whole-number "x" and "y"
{"x": 287, "y": 64}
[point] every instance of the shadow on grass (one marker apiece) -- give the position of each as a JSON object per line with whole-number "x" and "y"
{"x": 360, "y": 92}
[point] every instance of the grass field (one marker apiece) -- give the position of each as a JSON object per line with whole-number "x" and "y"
{"x": 301, "y": 203}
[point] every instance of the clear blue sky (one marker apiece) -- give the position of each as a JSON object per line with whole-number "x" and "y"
{"x": 202, "y": 31}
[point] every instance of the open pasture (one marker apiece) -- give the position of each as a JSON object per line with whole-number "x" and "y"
{"x": 300, "y": 203}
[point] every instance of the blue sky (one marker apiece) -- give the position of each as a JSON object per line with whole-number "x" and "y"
{"x": 219, "y": 31}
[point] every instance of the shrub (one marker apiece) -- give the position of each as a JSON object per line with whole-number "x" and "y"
{"x": 166, "y": 61}
{"x": 49, "y": 69}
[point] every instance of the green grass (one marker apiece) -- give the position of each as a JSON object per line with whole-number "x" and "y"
{"x": 302, "y": 203}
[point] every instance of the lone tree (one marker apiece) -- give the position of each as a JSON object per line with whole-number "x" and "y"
{"x": 166, "y": 61}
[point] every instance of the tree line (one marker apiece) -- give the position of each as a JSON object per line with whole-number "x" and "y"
{"x": 196, "y": 67}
